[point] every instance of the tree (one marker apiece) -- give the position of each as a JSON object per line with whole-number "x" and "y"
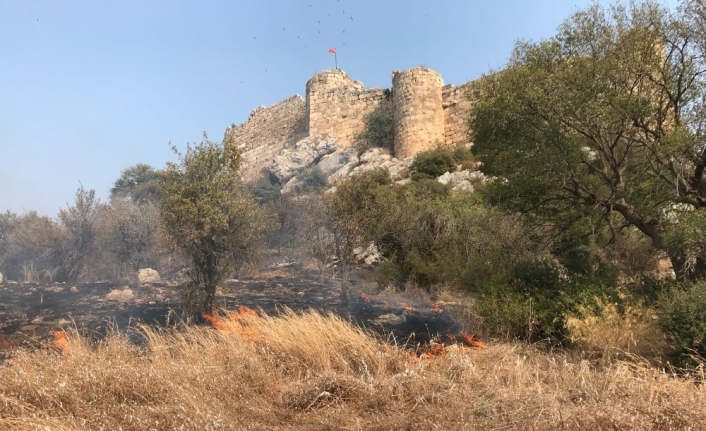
{"x": 34, "y": 249}
{"x": 78, "y": 221}
{"x": 209, "y": 214}
{"x": 138, "y": 183}
{"x": 130, "y": 231}
{"x": 604, "y": 121}
{"x": 7, "y": 223}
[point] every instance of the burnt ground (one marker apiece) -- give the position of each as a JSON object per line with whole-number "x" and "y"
{"x": 30, "y": 313}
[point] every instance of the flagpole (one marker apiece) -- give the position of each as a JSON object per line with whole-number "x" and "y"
{"x": 335, "y": 58}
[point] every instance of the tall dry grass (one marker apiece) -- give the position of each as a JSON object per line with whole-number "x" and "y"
{"x": 309, "y": 371}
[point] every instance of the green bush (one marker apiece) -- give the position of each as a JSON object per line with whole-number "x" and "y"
{"x": 378, "y": 131}
{"x": 311, "y": 180}
{"x": 264, "y": 190}
{"x": 684, "y": 316}
{"x": 433, "y": 163}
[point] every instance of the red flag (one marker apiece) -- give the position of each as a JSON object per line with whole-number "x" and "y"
{"x": 332, "y": 50}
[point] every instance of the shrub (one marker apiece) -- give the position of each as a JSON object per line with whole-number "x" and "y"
{"x": 608, "y": 330}
{"x": 684, "y": 316}
{"x": 433, "y": 163}
{"x": 264, "y": 189}
{"x": 378, "y": 131}
{"x": 311, "y": 180}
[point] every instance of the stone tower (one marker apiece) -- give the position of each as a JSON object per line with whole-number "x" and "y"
{"x": 327, "y": 101}
{"x": 418, "y": 110}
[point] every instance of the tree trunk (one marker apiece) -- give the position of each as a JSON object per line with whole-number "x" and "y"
{"x": 688, "y": 272}
{"x": 210, "y": 295}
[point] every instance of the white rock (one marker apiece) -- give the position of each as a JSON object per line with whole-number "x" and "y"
{"x": 345, "y": 170}
{"x": 120, "y": 295}
{"x": 332, "y": 163}
{"x": 464, "y": 186}
{"x": 73, "y": 289}
{"x": 147, "y": 276}
{"x": 457, "y": 177}
{"x": 1, "y": 277}
{"x": 389, "y": 319}
{"x": 373, "y": 155}
{"x": 290, "y": 186}
{"x": 290, "y": 161}
{"x": 445, "y": 179}
{"x": 396, "y": 169}
{"x": 404, "y": 182}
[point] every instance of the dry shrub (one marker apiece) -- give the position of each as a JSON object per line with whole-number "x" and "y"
{"x": 610, "y": 332}
{"x": 307, "y": 371}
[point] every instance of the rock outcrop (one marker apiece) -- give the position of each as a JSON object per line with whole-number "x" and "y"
{"x": 305, "y": 153}
{"x": 148, "y": 276}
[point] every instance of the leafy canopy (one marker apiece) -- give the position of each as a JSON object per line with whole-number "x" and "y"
{"x": 604, "y": 121}
{"x": 209, "y": 214}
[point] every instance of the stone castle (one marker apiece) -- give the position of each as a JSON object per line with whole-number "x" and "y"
{"x": 424, "y": 112}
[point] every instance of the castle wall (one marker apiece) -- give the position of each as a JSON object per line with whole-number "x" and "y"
{"x": 423, "y": 110}
{"x": 337, "y": 105}
{"x": 457, "y": 107}
{"x": 266, "y": 132}
{"x": 418, "y": 110}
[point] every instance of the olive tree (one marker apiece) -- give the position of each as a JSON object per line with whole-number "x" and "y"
{"x": 605, "y": 121}
{"x": 209, "y": 214}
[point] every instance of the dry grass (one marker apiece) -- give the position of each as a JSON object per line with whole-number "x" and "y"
{"x": 317, "y": 372}
{"x": 611, "y": 333}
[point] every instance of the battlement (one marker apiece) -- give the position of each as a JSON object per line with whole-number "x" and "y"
{"x": 424, "y": 112}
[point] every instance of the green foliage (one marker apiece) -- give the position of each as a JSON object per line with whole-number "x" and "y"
{"x": 433, "y": 163}
{"x": 379, "y": 129}
{"x": 78, "y": 221}
{"x": 137, "y": 183}
{"x": 264, "y": 189}
{"x": 684, "y": 317}
{"x": 208, "y": 214}
{"x": 540, "y": 296}
{"x": 7, "y": 223}
{"x": 34, "y": 249}
{"x": 597, "y": 125}
{"x": 130, "y": 232}
{"x": 311, "y": 180}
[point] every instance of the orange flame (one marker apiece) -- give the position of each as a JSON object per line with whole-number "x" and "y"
{"x": 365, "y": 297}
{"x": 243, "y": 310}
{"x": 474, "y": 341}
{"x": 409, "y": 308}
{"x": 214, "y": 321}
{"x": 237, "y": 323}
{"x": 61, "y": 340}
{"x": 436, "y": 309}
{"x": 385, "y": 303}
{"x": 436, "y": 349}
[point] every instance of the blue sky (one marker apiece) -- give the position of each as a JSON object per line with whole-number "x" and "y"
{"x": 88, "y": 88}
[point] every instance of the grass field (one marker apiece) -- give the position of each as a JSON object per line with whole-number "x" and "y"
{"x": 316, "y": 372}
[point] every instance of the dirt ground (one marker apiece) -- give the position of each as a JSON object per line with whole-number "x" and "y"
{"x": 29, "y": 313}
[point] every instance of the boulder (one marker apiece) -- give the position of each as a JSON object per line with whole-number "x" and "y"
{"x": 148, "y": 276}
{"x": 303, "y": 154}
{"x": 1, "y": 278}
{"x": 396, "y": 169}
{"x": 120, "y": 295}
{"x": 369, "y": 254}
{"x": 445, "y": 179}
{"x": 290, "y": 186}
{"x": 73, "y": 289}
{"x": 390, "y": 319}
{"x": 332, "y": 163}
{"x": 465, "y": 186}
